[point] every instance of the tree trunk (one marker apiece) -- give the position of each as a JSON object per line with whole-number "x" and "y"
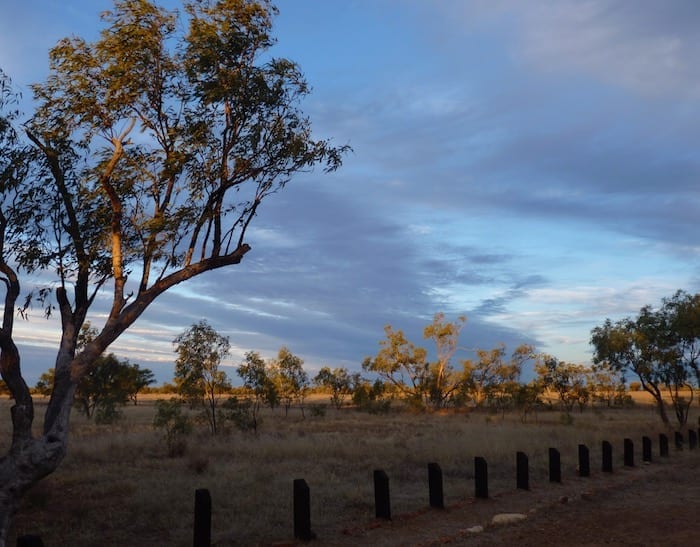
{"x": 661, "y": 407}
{"x": 29, "y": 458}
{"x": 27, "y": 462}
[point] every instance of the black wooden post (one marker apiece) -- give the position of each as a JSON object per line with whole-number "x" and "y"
{"x": 663, "y": 445}
{"x": 629, "y": 453}
{"x": 554, "y": 465}
{"x": 29, "y": 541}
{"x": 382, "y": 502}
{"x": 646, "y": 449}
{"x": 437, "y": 499}
{"x": 202, "y": 518}
{"x": 522, "y": 471}
{"x": 607, "y": 457}
{"x": 302, "y": 511}
{"x": 692, "y": 439}
{"x": 481, "y": 478}
{"x": 678, "y": 437}
{"x": 584, "y": 461}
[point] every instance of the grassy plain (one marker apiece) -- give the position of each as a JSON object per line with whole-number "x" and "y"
{"x": 118, "y": 487}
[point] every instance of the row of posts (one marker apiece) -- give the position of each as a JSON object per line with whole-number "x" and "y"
{"x": 382, "y": 499}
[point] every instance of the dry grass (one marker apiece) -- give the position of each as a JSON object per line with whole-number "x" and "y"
{"x": 118, "y": 487}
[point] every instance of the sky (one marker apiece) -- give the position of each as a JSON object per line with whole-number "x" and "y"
{"x": 531, "y": 165}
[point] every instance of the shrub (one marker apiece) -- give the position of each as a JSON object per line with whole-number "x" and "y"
{"x": 107, "y": 413}
{"x": 368, "y": 397}
{"x": 176, "y": 425}
{"x": 242, "y": 413}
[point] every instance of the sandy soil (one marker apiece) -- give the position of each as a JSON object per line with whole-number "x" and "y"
{"x": 650, "y": 504}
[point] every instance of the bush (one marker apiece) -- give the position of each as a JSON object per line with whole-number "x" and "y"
{"x": 368, "y": 397}
{"x": 176, "y": 425}
{"x": 241, "y": 413}
{"x": 107, "y": 413}
{"x": 378, "y": 407}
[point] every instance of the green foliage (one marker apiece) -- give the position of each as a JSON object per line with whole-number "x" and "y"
{"x": 338, "y": 381}
{"x": 567, "y": 380}
{"x": 607, "y": 385}
{"x": 107, "y": 413}
{"x": 44, "y": 385}
{"x": 493, "y": 378}
{"x": 490, "y": 379}
{"x": 257, "y": 380}
{"x": 242, "y": 413}
{"x": 111, "y": 383}
{"x": 443, "y": 382}
{"x": 402, "y": 364}
{"x": 175, "y": 425}
{"x": 293, "y": 379}
{"x": 661, "y": 347}
{"x": 369, "y": 397}
{"x": 527, "y": 398}
{"x": 200, "y": 382}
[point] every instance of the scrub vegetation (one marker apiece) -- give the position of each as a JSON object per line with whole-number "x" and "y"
{"x": 133, "y": 492}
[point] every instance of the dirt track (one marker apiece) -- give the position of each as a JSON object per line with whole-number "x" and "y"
{"x": 654, "y": 504}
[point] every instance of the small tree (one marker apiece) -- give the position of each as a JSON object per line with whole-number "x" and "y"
{"x": 403, "y": 365}
{"x": 661, "y": 347}
{"x": 139, "y": 379}
{"x": 607, "y": 385}
{"x": 254, "y": 373}
{"x": 294, "y": 381}
{"x": 107, "y": 387}
{"x": 200, "y": 382}
{"x": 370, "y": 396}
{"x": 338, "y": 381}
{"x": 175, "y": 425}
{"x": 443, "y": 381}
{"x": 527, "y": 398}
{"x": 567, "y": 380}
{"x": 493, "y": 378}
{"x": 44, "y": 384}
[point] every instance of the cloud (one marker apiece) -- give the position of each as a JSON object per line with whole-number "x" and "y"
{"x": 645, "y": 46}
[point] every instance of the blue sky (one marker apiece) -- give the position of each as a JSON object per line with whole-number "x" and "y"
{"x": 532, "y": 165}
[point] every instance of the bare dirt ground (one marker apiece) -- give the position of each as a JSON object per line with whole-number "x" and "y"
{"x": 649, "y": 504}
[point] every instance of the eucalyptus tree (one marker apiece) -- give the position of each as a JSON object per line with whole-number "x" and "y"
{"x": 568, "y": 380}
{"x": 444, "y": 381}
{"x": 198, "y": 375}
{"x": 634, "y": 346}
{"x": 338, "y": 381}
{"x": 661, "y": 347}
{"x": 148, "y": 155}
{"x": 406, "y": 366}
{"x": 403, "y": 365}
{"x": 293, "y": 379}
